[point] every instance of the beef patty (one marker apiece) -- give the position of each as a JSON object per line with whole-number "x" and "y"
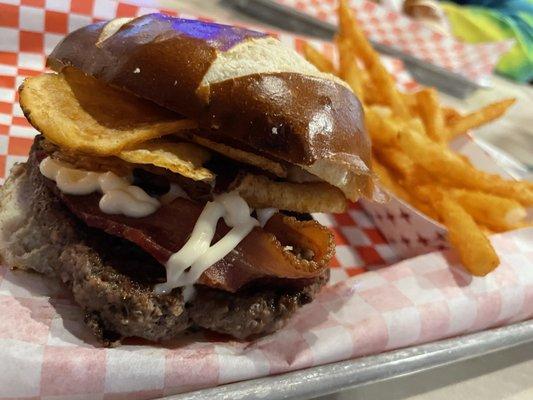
{"x": 112, "y": 279}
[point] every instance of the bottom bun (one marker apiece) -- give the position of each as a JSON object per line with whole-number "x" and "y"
{"x": 112, "y": 279}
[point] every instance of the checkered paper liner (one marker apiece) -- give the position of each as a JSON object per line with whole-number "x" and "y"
{"x": 391, "y": 28}
{"x": 47, "y": 352}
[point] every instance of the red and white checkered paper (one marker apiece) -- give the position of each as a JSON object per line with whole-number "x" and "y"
{"x": 391, "y": 28}
{"x": 47, "y": 352}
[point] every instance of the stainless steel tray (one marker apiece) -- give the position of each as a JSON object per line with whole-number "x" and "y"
{"x": 273, "y": 13}
{"x": 334, "y": 377}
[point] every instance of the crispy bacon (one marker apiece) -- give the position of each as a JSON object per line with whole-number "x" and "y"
{"x": 263, "y": 253}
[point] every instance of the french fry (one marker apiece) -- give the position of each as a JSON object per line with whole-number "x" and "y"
{"x": 403, "y": 185}
{"x": 389, "y": 181}
{"x": 397, "y": 161}
{"x": 318, "y": 59}
{"x": 425, "y": 208}
{"x": 474, "y": 248}
{"x": 349, "y": 70}
{"x": 430, "y": 112}
{"x": 384, "y": 83}
{"x": 345, "y": 52}
{"x": 415, "y": 124}
{"x": 396, "y": 123}
{"x": 486, "y": 230}
{"x": 381, "y": 130}
{"x": 479, "y": 117}
{"x": 452, "y": 170}
{"x": 450, "y": 115}
{"x": 394, "y": 184}
{"x": 495, "y": 212}
{"x": 409, "y": 175}
{"x": 353, "y": 78}
{"x": 422, "y": 202}
{"x": 371, "y": 95}
{"x": 349, "y": 29}
{"x": 384, "y": 111}
{"x": 409, "y": 132}
{"x": 411, "y": 102}
{"x": 382, "y": 80}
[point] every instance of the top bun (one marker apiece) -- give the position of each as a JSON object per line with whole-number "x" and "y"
{"x": 244, "y": 88}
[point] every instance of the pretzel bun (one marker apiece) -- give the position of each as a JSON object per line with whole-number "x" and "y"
{"x": 244, "y": 88}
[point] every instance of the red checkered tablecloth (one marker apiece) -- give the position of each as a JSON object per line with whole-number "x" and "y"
{"x": 47, "y": 352}
{"x": 391, "y": 28}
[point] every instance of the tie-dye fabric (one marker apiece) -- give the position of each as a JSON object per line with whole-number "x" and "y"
{"x": 476, "y": 21}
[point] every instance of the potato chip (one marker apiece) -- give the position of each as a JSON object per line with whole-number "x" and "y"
{"x": 92, "y": 163}
{"x": 349, "y": 176}
{"x": 182, "y": 158}
{"x": 243, "y": 156}
{"x": 261, "y": 192}
{"x": 82, "y": 114}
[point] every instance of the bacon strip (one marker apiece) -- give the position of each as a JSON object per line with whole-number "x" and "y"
{"x": 260, "y": 254}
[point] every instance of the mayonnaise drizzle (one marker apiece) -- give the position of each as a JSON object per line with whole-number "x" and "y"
{"x": 119, "y": 196}
{"x": 174, "y": 192}
{"x": 187, "y": 265}
{"x": 264, "y": 214}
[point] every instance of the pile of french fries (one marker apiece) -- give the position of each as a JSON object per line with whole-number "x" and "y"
{"x": 410, "y": 134}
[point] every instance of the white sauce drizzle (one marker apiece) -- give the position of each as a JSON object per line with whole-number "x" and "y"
{"x": 186, "y": 266}
{"x": 188, "y": 293}
{"x": 119, "y": 196}
{"x": 174, "y": 192}
{"x": 264, "y": 214}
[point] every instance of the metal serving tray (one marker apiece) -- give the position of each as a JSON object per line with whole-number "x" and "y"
{"x": 287, "y": 18}
{"x": 330, "y": 378}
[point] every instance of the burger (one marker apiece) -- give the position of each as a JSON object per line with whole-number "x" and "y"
{"x": 171, "y": 185}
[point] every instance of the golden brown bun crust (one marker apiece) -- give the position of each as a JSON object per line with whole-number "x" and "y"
{"x": 295, "y": 117}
